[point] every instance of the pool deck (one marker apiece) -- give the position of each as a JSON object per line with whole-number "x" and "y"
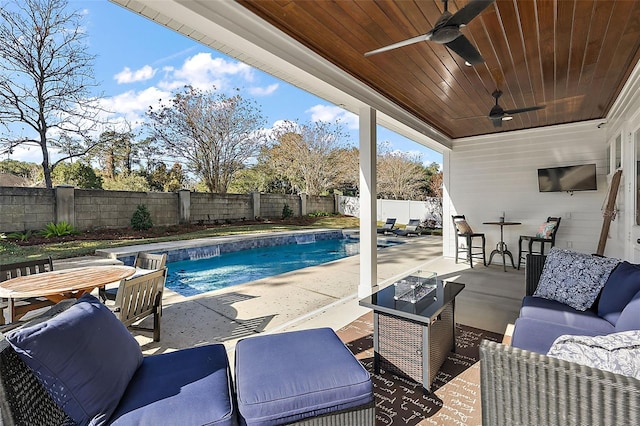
{"x": 323, "y": 296}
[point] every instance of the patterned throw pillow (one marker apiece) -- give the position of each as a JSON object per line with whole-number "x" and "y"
{"x": 618, "y": 352}
{"x": 573, "y": 278}
{"x": 545, "y": 230}
{"x": 463, "y": 227}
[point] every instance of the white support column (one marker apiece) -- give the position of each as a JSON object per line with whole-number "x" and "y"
{"x": 368, "y": 215}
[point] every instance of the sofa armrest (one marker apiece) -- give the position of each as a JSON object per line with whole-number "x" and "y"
{"x": 519, "y": 387}
{"x": 533, "y": 270}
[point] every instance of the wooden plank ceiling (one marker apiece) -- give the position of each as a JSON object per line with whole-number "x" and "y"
{"x": 573, "y": 56}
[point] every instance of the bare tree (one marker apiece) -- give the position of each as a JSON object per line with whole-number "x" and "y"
{"x": 45, "y": 76}
{"x": 400, "y": 176}
{"x": 216, "y": 134}
{"x": 307, "y": 155}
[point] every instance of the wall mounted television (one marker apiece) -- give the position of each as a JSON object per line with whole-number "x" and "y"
{"x": 568, "y": 178}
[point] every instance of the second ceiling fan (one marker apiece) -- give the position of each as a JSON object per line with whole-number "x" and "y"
{"x": 447, "y": 32}
{"x": 498, "y": 114}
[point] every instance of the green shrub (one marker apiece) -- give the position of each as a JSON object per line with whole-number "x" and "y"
{"x": 319, "y": 214}
{"x": 141, "y": 219}
{"x": 57, "y": 230}
{"x": 20, "y": 236}
{"x": 286, "y": 212}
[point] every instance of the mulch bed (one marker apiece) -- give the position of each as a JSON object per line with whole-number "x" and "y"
{"x": 157, "y": 231}
{"x": 401, "y": 401}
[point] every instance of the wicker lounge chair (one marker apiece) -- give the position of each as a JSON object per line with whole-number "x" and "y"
{"x": 519, "y": 387}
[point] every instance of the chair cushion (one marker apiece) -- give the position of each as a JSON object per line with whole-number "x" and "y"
{"x": 186, "y": 387}
{"x": 282, "y": 378}
{"x": 617, "y": 352}
{"x": 559, "y": 313}
{"x": 573, "y": 278}
{"x": 545, "y": 230}
{"x": 622, "y": 285}
{"x": 630, "y": 317}
{"x": 538, "y": 336}
{"x": 84, "y": 357}
{"x": 463, "y": 227}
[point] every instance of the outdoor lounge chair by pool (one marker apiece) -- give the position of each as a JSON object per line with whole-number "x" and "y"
{"x": 388, "y": 226}
{"x": 412, "y": 228}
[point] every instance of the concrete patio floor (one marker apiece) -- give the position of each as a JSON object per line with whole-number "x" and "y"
{"x": 326, "y": 296}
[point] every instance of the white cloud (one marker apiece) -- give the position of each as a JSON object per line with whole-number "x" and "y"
{"x": 133, "y": 105}
{"x": 127, "y": 76}
{"x": 202, "y": 71}
{"x": 263, "y": 91}
{"x": 332, "y": 113}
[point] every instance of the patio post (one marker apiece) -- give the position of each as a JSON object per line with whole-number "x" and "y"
{"x": 368, "y": 215}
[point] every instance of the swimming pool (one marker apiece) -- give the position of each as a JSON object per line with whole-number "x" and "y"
{"x": 191, "y": 277}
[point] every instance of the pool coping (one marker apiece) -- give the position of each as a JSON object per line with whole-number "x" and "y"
{"x": 192, "y": 249}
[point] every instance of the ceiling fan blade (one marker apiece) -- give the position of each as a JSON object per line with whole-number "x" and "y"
{"x": 469, "y": 11}
{"x": 527, "y": 109}
{"x": 407, "y": 42}
{"x": 465, "y": 50}
{"x": 497, "y": 122}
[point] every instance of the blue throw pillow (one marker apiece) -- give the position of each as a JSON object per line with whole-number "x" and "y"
{"x": 622, "y": 285}
{"x": 84, "y": 357}
{"x": 573, "y": 278}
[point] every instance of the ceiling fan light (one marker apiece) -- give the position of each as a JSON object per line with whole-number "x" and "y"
{"x": 467, "y": 64}
{"x": 507, "y": 118}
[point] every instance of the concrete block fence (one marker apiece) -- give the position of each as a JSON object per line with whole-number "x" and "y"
{"x": 33, "y": 208}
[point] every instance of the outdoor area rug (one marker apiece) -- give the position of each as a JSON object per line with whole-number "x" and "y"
{"x": 455, "y": 399}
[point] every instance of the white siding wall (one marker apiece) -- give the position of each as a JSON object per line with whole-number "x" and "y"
{"x": 489, "y": 175}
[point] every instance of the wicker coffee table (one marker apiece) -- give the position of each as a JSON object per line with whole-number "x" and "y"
{"x": 413, "y": 339}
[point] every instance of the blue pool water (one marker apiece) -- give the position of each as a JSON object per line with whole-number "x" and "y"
{"x": 190, "y": 277}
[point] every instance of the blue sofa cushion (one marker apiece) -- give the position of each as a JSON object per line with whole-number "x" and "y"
{"x": 299, "y": 374}
{"x": 630, "y": 317}
{"x": 622, "y": 285}
{"x": 616, "y": 352}
{"x": 186, "y": 387}
{"x": 538, "y": 336}
{"x": 559, "y": 313}
{"x": 573, "y": 278}
{"x": 84, "y": 358}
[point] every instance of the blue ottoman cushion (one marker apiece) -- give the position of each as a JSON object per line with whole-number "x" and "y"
{"x": 559, "y": 313}
{"x": 197, "y": 390}
{"x": 282, "y": 378}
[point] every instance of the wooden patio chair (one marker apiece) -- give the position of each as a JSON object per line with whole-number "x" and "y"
{"x": 144, "y": 263}
{"x": 19, "y": 307}
{"x": 139, "y": 297}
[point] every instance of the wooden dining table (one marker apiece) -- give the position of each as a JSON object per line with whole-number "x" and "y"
{"x": 63, "y": 284}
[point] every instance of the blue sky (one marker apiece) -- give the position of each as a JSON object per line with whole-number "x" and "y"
{"x": 139, "y": 62}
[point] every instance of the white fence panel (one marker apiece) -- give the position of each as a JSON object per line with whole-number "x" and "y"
{"x": 426, "y": 211}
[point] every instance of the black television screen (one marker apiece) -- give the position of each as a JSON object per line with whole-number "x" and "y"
{"x": 568, "y": 178}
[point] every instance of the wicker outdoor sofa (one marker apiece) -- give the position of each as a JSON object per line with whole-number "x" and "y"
{"x": 523, "y": 387}
{"x": 77, "y": 364}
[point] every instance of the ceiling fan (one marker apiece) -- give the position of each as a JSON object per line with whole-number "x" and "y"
{"x": 447, "y": 32}
{"x": 498, "y": 115}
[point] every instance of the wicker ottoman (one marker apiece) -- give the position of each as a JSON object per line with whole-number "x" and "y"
{"x": 304, "y": 377}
